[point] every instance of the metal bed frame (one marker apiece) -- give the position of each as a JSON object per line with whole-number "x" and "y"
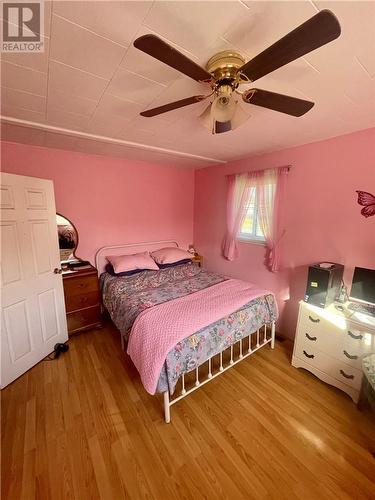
{"x": 168, "y": 402}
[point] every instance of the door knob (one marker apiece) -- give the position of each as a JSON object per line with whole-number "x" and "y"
{"x": 57, "y": 270}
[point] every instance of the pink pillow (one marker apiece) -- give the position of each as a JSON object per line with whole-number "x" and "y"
{"x": 169, "y": 255}
{"x": 123, "y": 263}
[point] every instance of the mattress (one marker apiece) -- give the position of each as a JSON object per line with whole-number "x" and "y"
{"x": 126, "y": 297}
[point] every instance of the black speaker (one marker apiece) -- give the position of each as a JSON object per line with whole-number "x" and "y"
{"x": 323, "y": 283}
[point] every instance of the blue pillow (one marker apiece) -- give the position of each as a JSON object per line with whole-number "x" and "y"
{"x": 109, "y": 269}
{"x": 178, "y": 263}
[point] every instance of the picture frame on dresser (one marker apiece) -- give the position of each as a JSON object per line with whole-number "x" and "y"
{"x": 331, "y": 343}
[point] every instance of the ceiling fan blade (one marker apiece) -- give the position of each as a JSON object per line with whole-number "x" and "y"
{"x": 156, "y": 47}
{"x": 277, "y": 102}
{"x": 173, "y": 105}
{"x": 317, "y": 31}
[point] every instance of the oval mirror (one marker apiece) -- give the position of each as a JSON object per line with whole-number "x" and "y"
{"x": 68, "y": 239}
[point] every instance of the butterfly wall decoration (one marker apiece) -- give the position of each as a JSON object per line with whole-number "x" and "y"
{"x": 367, "y": 200}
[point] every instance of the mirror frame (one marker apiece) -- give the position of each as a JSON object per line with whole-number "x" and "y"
{"x": 75, "y": 229}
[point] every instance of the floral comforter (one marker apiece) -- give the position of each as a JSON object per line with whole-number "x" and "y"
{"x": 126, "y": 297}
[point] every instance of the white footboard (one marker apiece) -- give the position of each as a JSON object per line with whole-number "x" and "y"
{"x": 261, "y": 339}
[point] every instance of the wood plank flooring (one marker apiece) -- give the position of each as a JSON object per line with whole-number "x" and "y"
{"x": 82, "y": 427}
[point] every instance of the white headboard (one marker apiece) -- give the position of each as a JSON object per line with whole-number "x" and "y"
{"x": 128, "y": 249}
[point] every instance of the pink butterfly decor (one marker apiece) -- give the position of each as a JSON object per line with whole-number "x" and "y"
{"x": 367, "y": 200}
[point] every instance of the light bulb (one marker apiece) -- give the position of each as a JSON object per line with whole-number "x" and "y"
{"x": 224, "y": 106}
{"x": 224, "y": 114}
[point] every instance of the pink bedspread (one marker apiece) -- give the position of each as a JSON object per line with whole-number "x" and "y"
{"x": 158, "y": 329}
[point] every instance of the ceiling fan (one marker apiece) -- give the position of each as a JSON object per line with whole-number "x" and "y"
{"x": 227, "y": 70}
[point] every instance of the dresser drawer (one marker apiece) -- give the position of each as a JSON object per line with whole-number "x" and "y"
{"x": 358, "y": 340}
{"x": 80, "y": 285}
{"x": 329, "y": 341}
{"x": 82, "y": 300}
{"x": 350, "y": 357}
{"x": 84, "y": 318}
{"x": 331, "y": 344}
{"x": 312, "y": 355}
{"x": 347, "y": 374}
{"x": 331, "y": 366}
{"x": 320, "y": 320}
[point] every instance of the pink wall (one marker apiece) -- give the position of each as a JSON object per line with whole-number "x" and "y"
{"x": 322, "y": 217}
{"x": 114, "y": 201}
{"x": 110, "y": 200}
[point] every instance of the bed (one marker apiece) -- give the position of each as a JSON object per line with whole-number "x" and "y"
{"x": 207, "y": 351}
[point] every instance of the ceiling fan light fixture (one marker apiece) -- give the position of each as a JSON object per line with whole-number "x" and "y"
{"x": 221, "y": 122}
{"x": 224, "y": 105}
{"x": 236, "y": 121}
{"x": 223, "y": 108}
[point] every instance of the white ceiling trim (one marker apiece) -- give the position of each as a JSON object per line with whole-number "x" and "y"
{"x": 85, "y": 135}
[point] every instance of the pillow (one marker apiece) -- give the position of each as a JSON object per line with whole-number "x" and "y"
{"x": 178, "y": 263}
{"x": 170, "y": 255}
{"x": 109, "y": 270}
{"x": 123, "y": 263}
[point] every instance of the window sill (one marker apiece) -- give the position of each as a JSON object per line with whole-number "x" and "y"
{"x": 254, "y": 242}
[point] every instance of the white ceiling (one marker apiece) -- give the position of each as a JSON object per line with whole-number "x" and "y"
{"x": 91, "y": 80}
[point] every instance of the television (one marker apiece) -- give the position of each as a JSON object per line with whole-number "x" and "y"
{"x": 363, "y": 286}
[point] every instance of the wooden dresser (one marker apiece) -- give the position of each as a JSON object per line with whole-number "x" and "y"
{"x": 332, "y": 342}
{"x": 82, "y": 299}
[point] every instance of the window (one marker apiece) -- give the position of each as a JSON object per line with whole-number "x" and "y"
{"x": 254, "y": 205}
{"x": 250, "y": 229}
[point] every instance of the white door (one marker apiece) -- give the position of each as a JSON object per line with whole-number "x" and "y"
{"x": 32, "y": 298}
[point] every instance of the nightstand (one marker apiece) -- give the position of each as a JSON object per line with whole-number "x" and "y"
{"x": 82, "y": 299}
{"x": 197, "y": 259}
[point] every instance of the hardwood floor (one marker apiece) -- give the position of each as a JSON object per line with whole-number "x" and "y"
{"x": 83, "y": 427}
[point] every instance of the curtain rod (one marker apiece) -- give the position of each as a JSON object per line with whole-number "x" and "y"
{"x": 282, "y": 166}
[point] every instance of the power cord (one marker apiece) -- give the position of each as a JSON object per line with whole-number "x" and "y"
{"x": 58, "y": 349}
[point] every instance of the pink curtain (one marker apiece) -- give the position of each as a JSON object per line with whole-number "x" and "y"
{"x": 239, "y": 196}
{"x": 270, "y": 188}
{"x": 270, "y": 194}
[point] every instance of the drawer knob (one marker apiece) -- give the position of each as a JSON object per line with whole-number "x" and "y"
{"x": 310, "y": 356}
{"x": 350, "y": 356}
{"x": 346, "y": 375}
{"x": 354, "y": 336}
{"x": 314, "y": 320}
{"x": 57, "y": 270}
{"x": 314, "y": 339}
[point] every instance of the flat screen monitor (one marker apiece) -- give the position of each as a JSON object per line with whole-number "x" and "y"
{"x": 363, "y": 285}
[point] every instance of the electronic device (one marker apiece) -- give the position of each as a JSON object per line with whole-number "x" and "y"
{"x": 363, "y": 286}
{"x": 362, "y": 292}
{"x": 323, "y": 283}
{"x": 368, "y": 309}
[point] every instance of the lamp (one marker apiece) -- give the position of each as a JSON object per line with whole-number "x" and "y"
{"x": 224, "y": 113}
{"x": 223, "y": 107}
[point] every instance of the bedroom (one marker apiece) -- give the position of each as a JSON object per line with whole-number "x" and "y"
{"x": 219, "y": 211}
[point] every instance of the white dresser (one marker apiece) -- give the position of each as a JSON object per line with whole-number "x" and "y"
{"x": 331, "y": 344}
